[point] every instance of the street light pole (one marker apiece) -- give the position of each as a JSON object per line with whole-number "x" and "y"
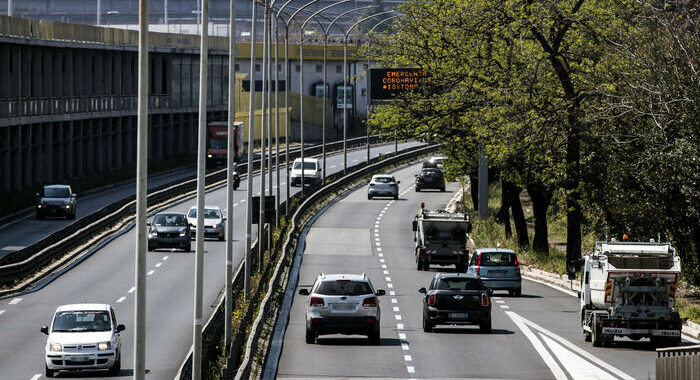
{"x": 251, "y": 136}
{"x": 165, "y": 12}
{"x": 141, "y": 197}
{"x": 99, "y": 12}
{"x": 261, "y": 219}
{"x": 9, "y": 7}
{"x": 228, "y": 307}
{"x": 277, "y": 124}
{"x": 201, "y": 169}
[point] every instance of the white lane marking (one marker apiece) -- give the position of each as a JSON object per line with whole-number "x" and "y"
{"x": 394, "y": 300}
{"x": 235, "y": 204}
{"x": 504, "y": 306}
{"x": 378, "y": 244}
{"x": 500, "y": 301}
{"x": 132, "y": 289}
{"x": 392, "y": 293}
{"x": 165, "y": 257}
{"x": 390, "y": 286}
{"x": 387, "y": 279}
{"x": 402, "y": 336}
{"x": 539, "y": 347}
{"x": 36, "y": 376}
{"x": 569, "y": 292}
{"x": 404, "y": 346}
{"x": 376, "y": 239}
{"x": 399, "y": 326}
{"x": 2, "y": 312}
{"x": 121, "y": 299}
{"x": 397, "y": 316}
{"x": 410, "y": 369}
{"x": 396, "y": 309}
{"x": 333, "y": 166}
{"x": 257, "y": 194}
{"x": 15, "y": 301}
{"x": 12, "y": 248}
{"x": 158, "y": 265}
{"x": 283, "y": 182}
{"x": 381, "y": 260}
{"x": 379, "y": 249}
{"x": 407, "y": 358}
{"x": 242, "y": 200}
{"x": 496, "y": 298}
{"x": 384, "y": 266}
{"x": 385, "y": 271}
{"x": 576, "y": 366}
{"x": 150, "y": 272}
{"x": 355, "y": 160}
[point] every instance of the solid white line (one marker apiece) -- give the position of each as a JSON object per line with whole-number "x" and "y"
{"x": 15, "y": 301}
{"x": 121, "y": 299}
{"x": 165, "y": 257}
{"x": 399, "y": 326}
{"x": 158, "y": 265}
{"x": 36, "y": 376}
{"x": 132, "y": 289}
{"x": 150, "y": 272}
{"x": 569, "y": 292}
{"x": 539, "y": 347}
{"x": 410, "y": 369}
{"x": 394, "y": 300}
{"x": 407, "y": 358}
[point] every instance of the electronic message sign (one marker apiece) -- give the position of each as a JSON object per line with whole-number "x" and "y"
{"x": 386, "y": 84}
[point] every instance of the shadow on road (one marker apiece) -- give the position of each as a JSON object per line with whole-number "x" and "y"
{"x": 471, "y": 331}
{"x": 85, "y": 374}
{"x": 356, "y": 341}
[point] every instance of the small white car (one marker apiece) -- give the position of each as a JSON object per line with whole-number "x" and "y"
{"x": 383, "y": 185}
{"x": 342, "y": 304}
{"x": 213, "y": 222}
{"x": 312, "y": 172}
{"x": 83, "y": 337}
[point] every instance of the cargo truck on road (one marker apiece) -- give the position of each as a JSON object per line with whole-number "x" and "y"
{"x": 628, "y": 290}
{"x": 441, "y": 238}
{"x": 217, "y": 143}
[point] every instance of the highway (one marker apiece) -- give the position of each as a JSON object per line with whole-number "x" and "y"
{"x": 535, "y": 336}
{"x": 108, "y": 277}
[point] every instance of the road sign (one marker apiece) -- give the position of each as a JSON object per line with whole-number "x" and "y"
{"x": 387, "y": 84}
{"x": 269, "y": 209}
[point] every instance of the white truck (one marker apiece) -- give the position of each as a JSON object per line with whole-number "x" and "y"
{"x": 441, "y": 238}
{"x": 628, "y": 289}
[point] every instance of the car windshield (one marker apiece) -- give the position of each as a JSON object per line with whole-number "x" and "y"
{"x": 344, "y": 288}
{"x": 307, "y": 165}
{"x": 430, "y": 173}
{"x": 218, "y": 144}
{"x": 170, "y": 220}
{"x": 458, "y": 283}
{"x": 497, "y": 259}
{"x": 383, "y": 180}
{"x": 57, "y": 192}
{"x": 81, "y": 321}
{"x": 209, "y": 213}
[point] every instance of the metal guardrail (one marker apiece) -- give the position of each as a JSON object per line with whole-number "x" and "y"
{"x": 22, "y": 263}
{"x": 678, "y": 363}
{"x": 25, "y": 107}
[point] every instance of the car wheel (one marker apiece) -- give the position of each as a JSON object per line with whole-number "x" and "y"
{"x": 426, "y": 263}
{"x": 419, "y": 261}
{"x": 596, "y": 337}
{"x": 375, "y": 336}
{"x": 72, "y": 215}
{"x": 151, "y": 248}
{"x": 369, "y": 196}
{"x": 417, "y": 189}
{"x": 442, "y": 189}
{"x": 117, "y": 366}
{"x": 518, "y": 292}
{"x": 485, "y": 327}
{"x": 586, "y": 334}
{"x": 396, "y": 197}
{"x": 427, "y": 325}
{"x": 310, "y": 337}
{"x": 222, "y": 237}
{"x": 188, "y": 248}
{"x": 39, "y": 216}
{"x": 49, "y": 372}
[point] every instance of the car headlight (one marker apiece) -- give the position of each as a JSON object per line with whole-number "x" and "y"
{"x": 56, "y": 347}
{"x": 38, "y": 206}
{"x": 67, "y": 206}
{"x": 208, "y": 155}
{"x": 104, "y": 346}
{"x": 217, "y": 225}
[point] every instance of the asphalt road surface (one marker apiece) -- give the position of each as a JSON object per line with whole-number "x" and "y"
{"x": 108, "y": 277}
{"x": 535, "y": 336}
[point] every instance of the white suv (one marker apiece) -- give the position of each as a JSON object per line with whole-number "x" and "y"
{"x": 83, "y": 337}
{"x": 312, "y": 172}
{"x": 342, "y": 304}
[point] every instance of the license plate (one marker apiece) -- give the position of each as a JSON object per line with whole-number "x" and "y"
{"x": 343, "y": 306}
{"x": 80, "y": 358}
{"x": 457, "y": 315}
{"x": 496, "y": 273}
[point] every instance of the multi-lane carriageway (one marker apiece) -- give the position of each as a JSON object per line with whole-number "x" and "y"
{"x": 535, "y": 336}
{"x": 108, "y": 277}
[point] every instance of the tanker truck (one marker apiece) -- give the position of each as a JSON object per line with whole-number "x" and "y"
{"x": 627, "y": 290}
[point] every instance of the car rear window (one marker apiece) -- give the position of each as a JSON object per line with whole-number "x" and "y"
{"x": 383, "y": 180}
{"x": 495, "y": 259}
{"x": 458, "y": 283}
{"x": 344, "y": 288}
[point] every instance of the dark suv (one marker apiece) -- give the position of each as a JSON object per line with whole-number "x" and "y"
{"x": 430, "y": 178}
{"x": 56, "y": 200}
{"x": 456, "y": 299}
{"x": 169, "y": 230}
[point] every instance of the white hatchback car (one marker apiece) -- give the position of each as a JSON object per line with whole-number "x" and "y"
{"x": 342, "y": 304}
{"x": 83, "y": 337}
{"x": 383, "y": 185}
{"x": 213, "y": 222}
{"x": 312, "y": 172}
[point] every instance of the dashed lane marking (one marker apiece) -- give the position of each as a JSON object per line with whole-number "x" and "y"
{"x": 158, "y": 265}
{"x": 150, "y": 272}
{"x": 407, "y": 358}
{"x": 121, "y": 299}
{"x": 2, "y": 312}
{"x": 410, "y": 369}
{"x": 504, "y": 306}
{"x": 394, "y": 300}
{"x": 132, "y": 289}
{"x": 165, "y": 257}
{"x": 392, "y": 293}
{"x": 15, "y": 301}
{"x": 36, "y": 376}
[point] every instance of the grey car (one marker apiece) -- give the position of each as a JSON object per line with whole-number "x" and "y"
{"x": 383, "y": 185}
{"x": 56, "y": 200}
{"x": 342, "y": 304}
{"x": 498, "y": 269}
{"x": 169, "y": 230}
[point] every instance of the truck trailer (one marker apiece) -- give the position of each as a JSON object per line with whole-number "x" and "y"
{"x": 217, "y": 143}
{"x": 628, "y": 290}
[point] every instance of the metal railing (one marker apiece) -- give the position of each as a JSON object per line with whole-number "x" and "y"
{"x": 25, "y": 107}
{"x": 678, "y": 363}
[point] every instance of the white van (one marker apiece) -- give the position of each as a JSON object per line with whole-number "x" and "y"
{"x": 312, "y": 172}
